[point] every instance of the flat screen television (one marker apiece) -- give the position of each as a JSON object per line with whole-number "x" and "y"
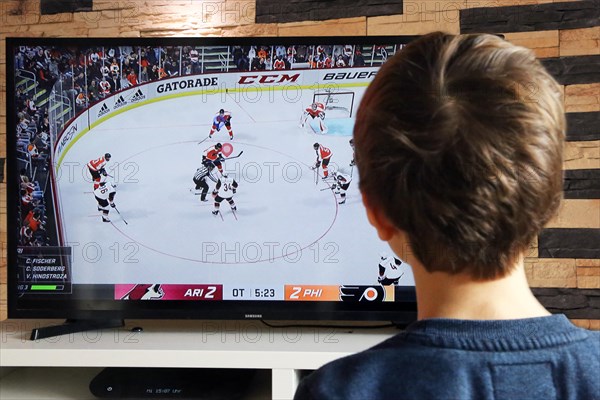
{"x": 208, "y": 178}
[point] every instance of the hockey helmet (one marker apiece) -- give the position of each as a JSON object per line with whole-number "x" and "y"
{"x": 351, "y": 142}
{"x": 316, "y": 146}
{"x": 221, "y": 111}
{"x": 218, "y": 146}
{"x": 107, "y": 156}
{"x": 314, "y": 106}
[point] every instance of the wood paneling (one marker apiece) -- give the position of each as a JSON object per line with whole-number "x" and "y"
{"x": 582, "y": 184}
{"x": 534, "y": 17}
{"x": 268, "y": 11}
{"x": 583, "y": 126}
{"x": 569, "y": 243}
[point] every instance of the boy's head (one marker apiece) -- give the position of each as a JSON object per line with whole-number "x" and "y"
{"x": 459, "y": 145}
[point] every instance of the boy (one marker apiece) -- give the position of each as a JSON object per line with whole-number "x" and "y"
{"x": 472, "y": 166}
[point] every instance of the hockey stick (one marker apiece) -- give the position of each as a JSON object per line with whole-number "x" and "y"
{"x": 234, "y": 214}
{"x": 316, "y": 169}
{"x": 117, "y": 210}
{"x": 230, "y": 158}
{"x": 203, "y": 140}
{"x": 219, "y": 212}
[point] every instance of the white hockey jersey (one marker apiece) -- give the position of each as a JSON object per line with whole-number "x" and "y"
{"x": 226, "y": 186}
{"x": 393, "y": 267}
{"x": 104, "y": 191}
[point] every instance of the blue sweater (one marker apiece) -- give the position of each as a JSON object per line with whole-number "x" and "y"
{"x": 536, "y": 358}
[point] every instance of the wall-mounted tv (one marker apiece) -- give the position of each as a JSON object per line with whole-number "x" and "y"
{"x": 194, "y": 178}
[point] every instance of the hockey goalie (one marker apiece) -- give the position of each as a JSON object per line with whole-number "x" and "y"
{"x": 316, "y": 111}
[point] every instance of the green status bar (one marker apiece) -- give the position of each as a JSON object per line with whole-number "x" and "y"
{"x": 43, "y": 287}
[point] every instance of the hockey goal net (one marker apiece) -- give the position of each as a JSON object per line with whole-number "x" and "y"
{"x": 337, "y": 104}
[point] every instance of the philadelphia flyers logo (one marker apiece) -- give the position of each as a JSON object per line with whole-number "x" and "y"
{"x": 369, "y": 294}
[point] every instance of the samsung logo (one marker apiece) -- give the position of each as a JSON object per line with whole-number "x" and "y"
{"x": 254, "y": 316}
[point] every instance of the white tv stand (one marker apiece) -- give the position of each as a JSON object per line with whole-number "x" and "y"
{"x": 173, "y": 344}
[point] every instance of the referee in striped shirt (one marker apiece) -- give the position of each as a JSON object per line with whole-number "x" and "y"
{"x": 200, "y": 178}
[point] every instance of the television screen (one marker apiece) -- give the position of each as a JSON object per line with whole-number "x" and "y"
{"x": 194, "y": 178}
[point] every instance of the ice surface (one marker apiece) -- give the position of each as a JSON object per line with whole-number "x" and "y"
{"x": 288, "y": 230}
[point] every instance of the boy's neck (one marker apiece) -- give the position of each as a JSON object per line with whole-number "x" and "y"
{"x": 440, "y": 295}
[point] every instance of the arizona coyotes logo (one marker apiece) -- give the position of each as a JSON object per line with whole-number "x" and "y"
{"x": 145, "y": 292}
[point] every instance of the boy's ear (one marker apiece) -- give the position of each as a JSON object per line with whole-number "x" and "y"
{"x": 385, "y": 229}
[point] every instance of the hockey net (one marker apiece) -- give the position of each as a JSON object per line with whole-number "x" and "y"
{"x": 337, "y": 104}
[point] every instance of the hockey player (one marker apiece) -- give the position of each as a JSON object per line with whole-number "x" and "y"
{"x": 213, "y": 156}
{"x": 222, "y": 118}
{"x": 224, "y": 190}
{"x": 200, "y": 178}
{"x": 315, "y": 110}
{"x": 390, "y": 270}
{"x": 340, "y": 185}
{"x": 105, "y": 195}
{"x": 99, "y": 181}
{"x": 96, "y": 167}
{"x": 25, "y": 236}
{"x": 323, "y": 158}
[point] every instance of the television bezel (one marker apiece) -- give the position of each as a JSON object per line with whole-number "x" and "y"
{"x": 39, "y": 308}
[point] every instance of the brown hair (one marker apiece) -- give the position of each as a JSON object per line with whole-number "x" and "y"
{"x": 459, "y": 142}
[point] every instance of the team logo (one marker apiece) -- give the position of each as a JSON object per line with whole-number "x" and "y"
{"x": 369, "y": 294}
{"x": 145, "y": 292}
{"x": 120, "y": 102}
{"x": 137, "y": 96}
{"x": 103, "y": 110}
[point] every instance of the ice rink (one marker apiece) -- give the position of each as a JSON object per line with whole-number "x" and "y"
{"x": 288, "y": 228}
